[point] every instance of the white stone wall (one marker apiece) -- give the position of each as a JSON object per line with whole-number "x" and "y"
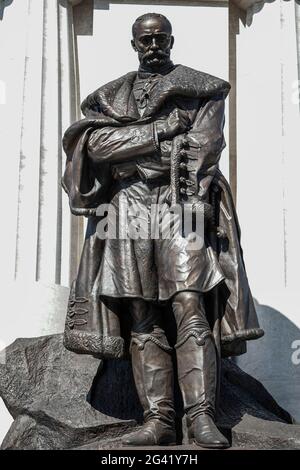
{"x": 36, "y": 104}
{"x": 268, "y": 165}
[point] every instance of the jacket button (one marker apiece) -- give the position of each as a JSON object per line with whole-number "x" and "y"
{"x": 189, "y": 192}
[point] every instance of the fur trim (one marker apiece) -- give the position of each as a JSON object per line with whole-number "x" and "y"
{"x": 182, "y": 80}
{"x": 185, "y": 81}
{"x": 245, "y": 335}
{"x": 102, "y": 347}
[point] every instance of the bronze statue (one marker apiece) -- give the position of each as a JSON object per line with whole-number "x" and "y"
{"x": 154, "y": 137}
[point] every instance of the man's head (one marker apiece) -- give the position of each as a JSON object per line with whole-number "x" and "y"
{"x": 152, "y": 40}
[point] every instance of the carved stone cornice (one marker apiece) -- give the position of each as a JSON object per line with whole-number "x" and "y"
{"x": 75, "y": 2}
{"x": 242, "y": 4}
{"x": 245, "y": 4}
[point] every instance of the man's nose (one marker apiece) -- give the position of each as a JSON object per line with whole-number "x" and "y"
{"x": 154, "y": 44}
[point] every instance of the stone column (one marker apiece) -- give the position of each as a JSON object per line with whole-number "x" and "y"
{"x": 41, "y": 242}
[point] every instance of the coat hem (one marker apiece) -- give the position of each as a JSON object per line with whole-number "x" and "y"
{"x": 245, "y": 335}
{"x": 103, "y": 347}
{"x": 163, "y": 299}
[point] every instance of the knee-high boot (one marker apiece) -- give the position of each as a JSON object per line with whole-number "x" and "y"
{"x": 197, "y": 375}
{"x": 153, "y": 375}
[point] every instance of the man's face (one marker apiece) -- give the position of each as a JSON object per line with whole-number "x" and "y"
{"x": 153, "y": 42}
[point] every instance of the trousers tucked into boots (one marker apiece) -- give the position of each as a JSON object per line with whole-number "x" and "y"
{"x": 153, "y": 373}
{"x": 196, "y": 356}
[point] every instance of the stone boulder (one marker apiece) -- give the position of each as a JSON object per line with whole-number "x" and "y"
{"x": 48, "y": 390}
{"x": 62, "y": 400}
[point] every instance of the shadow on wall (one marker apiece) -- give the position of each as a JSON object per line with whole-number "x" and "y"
{"x": 275, "y": 359}
{"x": 3, "y": 4}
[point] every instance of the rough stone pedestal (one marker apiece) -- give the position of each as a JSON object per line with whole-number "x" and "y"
{"x": 62, "y": 400}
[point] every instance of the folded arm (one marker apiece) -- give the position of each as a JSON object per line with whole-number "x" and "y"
{"x": 116, "y": 145}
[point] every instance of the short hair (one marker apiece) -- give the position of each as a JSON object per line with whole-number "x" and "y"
{"x": 147, "y": 16}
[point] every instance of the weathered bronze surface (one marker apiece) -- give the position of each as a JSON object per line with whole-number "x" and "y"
{"x": 152, "y": 137}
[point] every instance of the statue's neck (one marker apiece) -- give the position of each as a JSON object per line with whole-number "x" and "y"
{"x": 163, "y": 70}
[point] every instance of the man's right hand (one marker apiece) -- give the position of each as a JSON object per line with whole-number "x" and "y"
{"x": 176, "y": 123}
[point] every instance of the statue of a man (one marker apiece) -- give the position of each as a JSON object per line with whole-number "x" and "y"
{"x": 154, "y": 137}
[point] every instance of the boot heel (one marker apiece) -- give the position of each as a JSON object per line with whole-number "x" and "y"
{"x": 150, "y": 354}
{"x": 207, "y": 435}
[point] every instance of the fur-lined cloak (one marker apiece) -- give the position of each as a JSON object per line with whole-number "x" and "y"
{"x": 93, "y": 326}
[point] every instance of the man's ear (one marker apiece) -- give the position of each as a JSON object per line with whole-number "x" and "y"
{"x": 133, "y": 45}
{"x": 172, "y": 42}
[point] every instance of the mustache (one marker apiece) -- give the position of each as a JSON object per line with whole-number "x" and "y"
{"x": 155, "y": 54}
